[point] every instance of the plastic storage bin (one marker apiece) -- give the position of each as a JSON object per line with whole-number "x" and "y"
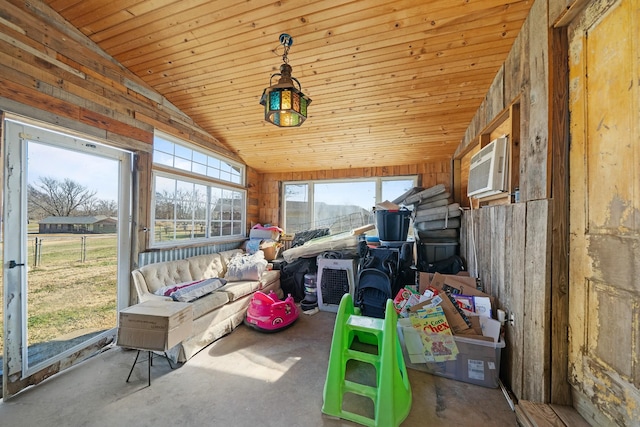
{"x": 393, "y": 226}
{"x": 428, "y": 253}
{"x": 477, "y": 361}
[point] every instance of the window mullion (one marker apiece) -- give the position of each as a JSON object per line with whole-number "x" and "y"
{"x": 207, "y": 228}
{"x": 312, "y": 208}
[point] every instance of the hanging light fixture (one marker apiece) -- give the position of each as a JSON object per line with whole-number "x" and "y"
{"x": 284, "y": 104}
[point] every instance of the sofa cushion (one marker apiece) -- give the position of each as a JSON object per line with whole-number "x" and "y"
{"x": 239, "y": 289}
{"x": 208, "y": 303}
{"x": 269, "y": 277}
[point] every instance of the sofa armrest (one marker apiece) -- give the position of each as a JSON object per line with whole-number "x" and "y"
{"x": 143, "y": 291}
{"x": 152, "y": 297}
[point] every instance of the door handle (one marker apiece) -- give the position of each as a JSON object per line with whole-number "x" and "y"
{"x": 13, "y": 264}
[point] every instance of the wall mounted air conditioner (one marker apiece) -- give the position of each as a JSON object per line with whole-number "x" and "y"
{"x": 489, "y": 169}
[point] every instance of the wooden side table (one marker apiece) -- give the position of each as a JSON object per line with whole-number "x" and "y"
{"x": 154, "y": 326}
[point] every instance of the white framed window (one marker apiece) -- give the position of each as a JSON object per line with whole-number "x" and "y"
{"x": 340, "y": 205}
{"x": 174, "y": 153}
{"x": 197, "y": 196}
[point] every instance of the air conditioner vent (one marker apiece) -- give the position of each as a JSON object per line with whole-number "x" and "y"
{"x": 488, "y": 170}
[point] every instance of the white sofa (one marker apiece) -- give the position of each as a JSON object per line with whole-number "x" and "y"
{"x": 215, "y": 314}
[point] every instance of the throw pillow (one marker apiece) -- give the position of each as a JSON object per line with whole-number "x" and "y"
{"x": 190, "y": 291}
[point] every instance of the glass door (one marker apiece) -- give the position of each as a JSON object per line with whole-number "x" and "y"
{"x": 66, "y": 245}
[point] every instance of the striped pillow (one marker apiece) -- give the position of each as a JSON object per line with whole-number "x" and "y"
{"x": 187, "y": 292}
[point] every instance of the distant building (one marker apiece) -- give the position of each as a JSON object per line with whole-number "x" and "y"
{"x": 78, "y": 224}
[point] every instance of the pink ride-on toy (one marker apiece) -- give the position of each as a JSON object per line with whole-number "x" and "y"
{"x": 268, "y": 313}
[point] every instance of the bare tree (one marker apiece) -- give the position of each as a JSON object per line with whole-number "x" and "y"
{"x": 99, "y": 207}
{"x": 58, "y": 198}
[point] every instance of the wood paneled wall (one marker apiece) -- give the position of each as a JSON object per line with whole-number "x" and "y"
{"x": 511, "y": 249}
{"x": 49, "y": 71}
{"x": 513, "y": 265}
{"x": 269, "y": 184}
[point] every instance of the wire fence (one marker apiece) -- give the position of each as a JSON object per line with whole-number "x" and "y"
{"x": 57, "y": 249}
{"x": 71, "y": 293}
{"x": 338, "y": 224}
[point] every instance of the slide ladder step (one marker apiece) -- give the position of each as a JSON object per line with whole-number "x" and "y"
{"x": 391, "y": 395}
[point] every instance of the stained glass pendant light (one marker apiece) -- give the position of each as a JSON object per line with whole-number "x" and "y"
{"x": 284, "y": 104}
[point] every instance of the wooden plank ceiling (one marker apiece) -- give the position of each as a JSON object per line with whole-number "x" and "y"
{"x": 392, "y": 82}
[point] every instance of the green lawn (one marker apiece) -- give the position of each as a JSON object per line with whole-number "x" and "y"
{"x": 72, "y": 288}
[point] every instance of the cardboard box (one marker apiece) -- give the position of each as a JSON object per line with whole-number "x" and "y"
{"x": 463, "y": 284}
{"x": 155, "y": 325}
{"x": 455, "y": 284}
{"x": 458, "y": 323}
{"x": 477, "y": 361}
{"x": 270, "y": 251}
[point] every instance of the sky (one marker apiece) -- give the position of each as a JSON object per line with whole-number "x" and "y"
{"x": 95, "y": 173}
{"x": 355, "y": 192}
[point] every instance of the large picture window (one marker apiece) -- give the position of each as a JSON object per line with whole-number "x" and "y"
{"x": 196, "y": 195}
{"x": 338, "y": 205}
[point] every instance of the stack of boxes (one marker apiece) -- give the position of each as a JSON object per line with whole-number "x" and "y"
{"x": 267, "y": 239}
{"x": 436, "y": 221}
{"x": 474, "y": 356}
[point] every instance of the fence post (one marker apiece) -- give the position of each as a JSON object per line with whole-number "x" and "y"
{"x": 83, "y": 248}
{"x": 35, "y": 253}
{"x": 38, "y": 252}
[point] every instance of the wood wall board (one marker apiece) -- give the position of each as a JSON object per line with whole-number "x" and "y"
{"x": 495, "y": 101}
{"x": 61, "y": 41}
{"x": 525, "y": 114}
{"x": 514, "y": 147}
{"x": 140, "y": 213}
{"x": 537, "y": 302}
{"x": 515, "y": 76}
{"x": 465, "y": 166}
{"x": 120, "y": 141}
{"x": 456, "y": 185}
{"x": 514, "y": 301}
{"x": 499, "y": 253}
{"x": 59, "y": 106}
{"x": 484, "y": 254}
{"x": 559, "y": 143}
{"x": 510, "y": 268}
{"x": 536, "y": 177}
{"x": 465, "y": 239}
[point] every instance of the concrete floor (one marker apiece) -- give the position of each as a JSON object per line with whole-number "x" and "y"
{"x": 247, "y": 378}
